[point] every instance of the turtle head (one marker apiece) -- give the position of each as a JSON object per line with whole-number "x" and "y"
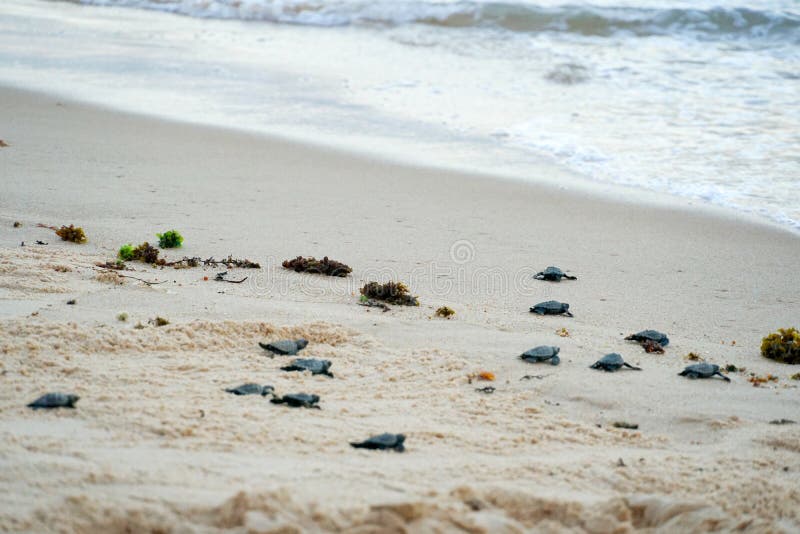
{"x": 72, "y": 399}
{"x": 301, "y": 343}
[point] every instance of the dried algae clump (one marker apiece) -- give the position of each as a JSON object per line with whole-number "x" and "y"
{"x": 782, "y": 346}
{"x": 693, "y": 357}
{"x": 71, "y": 233}
{"x": 147, "y": 253}
{"x": 170, "y": 239}
{"x": 391, "y": 292}
{"x": 445, "y": 312}
{"x": 324, "y": 266}
{"x": 159, "y": 321}
{"x": 17, "y": 224}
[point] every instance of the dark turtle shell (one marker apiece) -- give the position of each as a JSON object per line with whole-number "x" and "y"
{"x": 285, "y": 347}
{"x": 609, "y": 362}
{"x": 703, "y": 370}
{"x": 251, "y": 389}
{"x": 553, "y": 274}
{"x": 297, "y": 400}
{"x": 651, "y": 335}
{"x": 54, "y": 400}
{"x": 551, "y": 307}
{"x": 542, "y": 353}
{"x": 317, "y": 367}
{"x": 612, "y": 362}
{"x": 382, "y": 442}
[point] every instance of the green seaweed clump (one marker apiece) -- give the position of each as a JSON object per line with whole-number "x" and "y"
{"x": 148, "y": 254}
{"x": 795, "y": 376}
{"x": 324, "y": 266}
{"x": 445, "y": 311}
{"x": 125, "y": 252}
{"x": 170, "y": 239}
{"x": 71, "y": 233}
{"x": 391, "y": 292}
{"x": 782, "y": 346}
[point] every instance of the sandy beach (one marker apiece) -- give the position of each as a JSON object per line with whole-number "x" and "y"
{"x": 156, "y": 445}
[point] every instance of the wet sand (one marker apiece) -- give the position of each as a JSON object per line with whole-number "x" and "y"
{"x": 156, "y": 444}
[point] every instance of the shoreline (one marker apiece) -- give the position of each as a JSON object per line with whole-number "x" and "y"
{"x": 155, "y": 442}
{"x": 573, "y": 185}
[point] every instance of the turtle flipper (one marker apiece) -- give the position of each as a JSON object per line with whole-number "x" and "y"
{"x": 539, "y": 276}
{"x": 725, "y": 378}
{"x": 555, "y": 360}
{"x": 568, "y": 313}
{"x": 568, "y": 277}
{"x": 629, "y": 366}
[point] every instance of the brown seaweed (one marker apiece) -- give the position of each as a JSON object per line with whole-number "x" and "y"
{"x": 445, "y": 311}
{"x": 70, "y": 233}
{"x": 312, "y": 265}
{"x": 147, "y": 253}
{"x": 231, "y": 262}
{"x": 782, "y": 346}
{"x": 391, "y": 292}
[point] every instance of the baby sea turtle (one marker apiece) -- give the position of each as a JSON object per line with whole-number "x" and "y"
{"x": 542, "y": 353}
{"x": 317, "y": 367}
{"x": 297, "y": 400}
{"x": 54, "y": 400}
{"x": 382, "y": 442}
{"x": 552, "y": 307}
{"x": 612, "y": 362}
{"x": 553, "y": 274}
{"x": 703, "y": 370}
{"x": 649, "y": 335}
{"x": 285, "y": 347}
{"x": 251, "y": 389}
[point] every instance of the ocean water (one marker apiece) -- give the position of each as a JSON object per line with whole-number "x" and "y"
{"x": 697, "y": 100}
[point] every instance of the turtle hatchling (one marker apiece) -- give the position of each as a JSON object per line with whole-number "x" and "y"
{"x": 542, "y": 353}
{"x": 297, "y": 400}
{"x": 317, "y": 367}
{"x": 553, "y": 274}
{"x": 54, "y": 400}
{"x": 612, "y": 362}
{"x": 703, "y": 370}
{"x": 285, "y": 347}
{"x": 251, "y": 389}
{"x": 649, "y": 335}
{"x": 383, "y": 442}
{"x": 552, "y": 307}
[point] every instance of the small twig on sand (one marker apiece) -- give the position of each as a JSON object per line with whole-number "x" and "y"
{"x": 221, "y": 278}
{"x": 148, "y": 282}
{"x": 529, "y": 377}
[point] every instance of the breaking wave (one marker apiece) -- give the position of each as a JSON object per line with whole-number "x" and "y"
{"x": 581, "y": 19}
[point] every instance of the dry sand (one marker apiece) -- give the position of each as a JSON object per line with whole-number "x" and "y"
{"x": 157, "y": 445}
